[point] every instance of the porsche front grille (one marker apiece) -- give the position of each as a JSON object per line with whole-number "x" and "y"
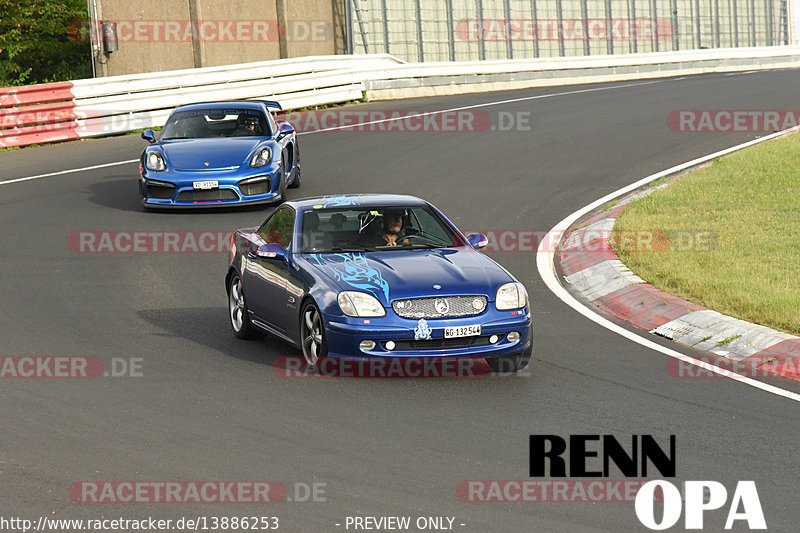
{"x": 160, "y": 192}
{"x": 252, "y": 188}
{"x": 207, "y": 195}
{"x": 444, "y": 307}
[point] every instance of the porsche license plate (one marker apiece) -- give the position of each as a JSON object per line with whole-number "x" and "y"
{"x": 205, "y": 185}
{"x": 462, "y": 331}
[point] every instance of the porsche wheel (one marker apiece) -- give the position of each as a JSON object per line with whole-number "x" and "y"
{"x": 510, "y": 363}
{"x": 312, "y": 335}
{"x": 237, "y": 311}
{"x": 284, "y": 177}
{"x": 296, "y": 181}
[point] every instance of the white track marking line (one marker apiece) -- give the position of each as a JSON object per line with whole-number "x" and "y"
{"x": 485, "y": 104}
{"x": 423, "y": 114}
{"x": 71, "y": 171}
{"x": 546, "y": 266}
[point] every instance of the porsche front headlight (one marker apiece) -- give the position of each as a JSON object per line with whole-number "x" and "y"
{"x": 511, "y": 296}
{"x": 155, "y": 161}
{"x": 262, "y": 157}
{"x": 360, "y": 304}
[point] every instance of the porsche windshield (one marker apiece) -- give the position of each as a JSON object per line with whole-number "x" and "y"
{"x": 204, "y": 123}
{"x": 361, "y": 229}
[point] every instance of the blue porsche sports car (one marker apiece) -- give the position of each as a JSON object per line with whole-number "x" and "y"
{"x": 365, "y": 276}
{"x": 218, "y": 154}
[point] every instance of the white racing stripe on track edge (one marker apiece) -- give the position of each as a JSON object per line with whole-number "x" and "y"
{"x": 360, "y": 124}
{"x": 71, "y": 171}
{"x": 545, "y": 263}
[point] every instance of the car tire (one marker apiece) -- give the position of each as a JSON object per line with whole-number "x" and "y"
{"x": 296, "y": 181}
{"x": 283, "y": 177}
{"x": 237, "y": 311}
{"x": 506, "y": 364}
{"x": 313, "y": 340}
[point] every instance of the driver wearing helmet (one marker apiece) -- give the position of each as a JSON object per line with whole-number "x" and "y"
{"x": 246, "y": 125}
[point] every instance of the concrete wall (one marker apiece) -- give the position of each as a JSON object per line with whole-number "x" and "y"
{"x": 157, "y": 35}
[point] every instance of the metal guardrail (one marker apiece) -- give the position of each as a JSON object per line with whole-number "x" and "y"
{"x": 86, "y": 108}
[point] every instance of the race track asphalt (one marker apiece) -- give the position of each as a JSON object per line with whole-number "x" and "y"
{"x": 211, "y": 407}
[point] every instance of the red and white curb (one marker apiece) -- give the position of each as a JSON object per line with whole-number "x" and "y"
{"x": 590, "y": 266}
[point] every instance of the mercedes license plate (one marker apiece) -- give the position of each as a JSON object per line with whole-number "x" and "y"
{"x": 462, "y": 331}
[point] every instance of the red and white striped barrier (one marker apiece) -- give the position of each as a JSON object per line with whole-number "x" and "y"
{"x": 37, "y": 114}
{"x": 589, "y": 264}
{"x": 51, "y": 112}
{"x": 118, "y": 104}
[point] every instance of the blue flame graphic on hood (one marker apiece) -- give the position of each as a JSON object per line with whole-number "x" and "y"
{"x": 354, "y": 270}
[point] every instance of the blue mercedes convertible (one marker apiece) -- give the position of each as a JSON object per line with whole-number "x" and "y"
{"x": 366, "y": 276}
{"x": 219, "y": 154}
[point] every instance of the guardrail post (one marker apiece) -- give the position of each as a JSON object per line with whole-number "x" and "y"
{"x": 481, "y": 36}
{"x": 752, "y": 22}
{"x": 770, "y": 37}
{"x": 507, "y": 24}
{"x": 420, "y": 41}
{"x": 609, "y": 28}
{"x": 716, "y": 23}
{"x": 385, "y": 15}
{"x": 654, "y": 20}
{"x": 585, "y": 22}
{"x": 283, "y": 41}
{"x": 699, "y": 39}
{"x": 348, "y": 22}
{"x": 198, "y": 46}
{"x": 450, "y": 30}
{"x": 560, "y": 22}
{"x": 535, "y": 19}
{"x": 635, "y": 33}
{"x": 735, "y": 23}
{"x": 676, "y": 44}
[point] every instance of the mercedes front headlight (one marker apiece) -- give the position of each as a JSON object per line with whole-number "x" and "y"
{"x": 360, "y": 304}
{"x": 511, "y": 296}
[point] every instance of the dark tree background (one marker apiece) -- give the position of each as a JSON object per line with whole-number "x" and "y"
{"x": 43, "y": 41}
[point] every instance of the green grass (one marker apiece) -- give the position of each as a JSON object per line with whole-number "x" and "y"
{"x": 749, "y": 202}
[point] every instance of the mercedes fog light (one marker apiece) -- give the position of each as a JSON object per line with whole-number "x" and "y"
{"x": 367, "y": 345}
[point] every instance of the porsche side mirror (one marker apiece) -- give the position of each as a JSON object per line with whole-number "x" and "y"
{"x": 284, "y": 129}
{"x": 149, "y": 136}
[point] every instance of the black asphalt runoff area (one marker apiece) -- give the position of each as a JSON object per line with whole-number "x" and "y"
{"x": 211, "y": 407}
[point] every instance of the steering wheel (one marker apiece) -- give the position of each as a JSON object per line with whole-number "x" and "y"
{"x": 404, "y": 240}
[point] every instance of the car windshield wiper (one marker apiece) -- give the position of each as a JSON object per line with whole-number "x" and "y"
{"x": 421, "y": 246}
{"x": 342, "y": 249}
